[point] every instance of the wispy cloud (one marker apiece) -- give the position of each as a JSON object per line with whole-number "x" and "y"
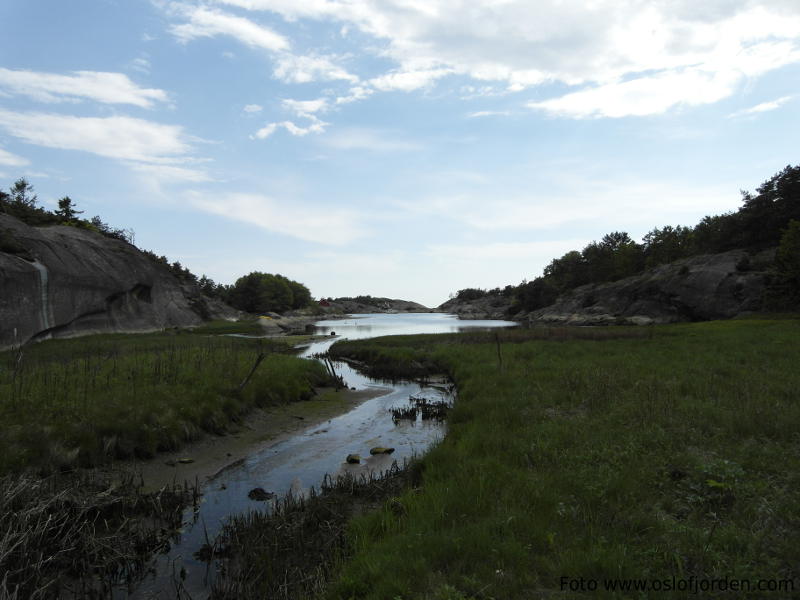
{"x": 253, "y": 108}
{"x": 369, "y": 139}
{"x": 312, "y": 223}
{"x": 109, "y": 88}
{"x": 305, "y": 109}
{"x": 408, "y": 80}
{"x": 162, "y": 151}
{"x": 141, "y": 64}
{"x": 760, "y": 108}
{"x": 507, "y": 250}
{"x": 646, "y": 204}
{"x": 12, "y": 160}
{"x": 206, "y": 22}
{"x": 488, "y": 113}
{"x": 624, "y": 58}
{"x": 172, "y": 173}
{"x": 114, "y": 137}
{"x": 292, "y": 68}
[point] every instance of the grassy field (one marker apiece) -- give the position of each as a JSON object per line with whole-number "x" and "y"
{"x": 634, "y": 454}
{"x": 85, "y": 401}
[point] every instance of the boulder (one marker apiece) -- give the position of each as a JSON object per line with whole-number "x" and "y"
{"x": 353, "y": 459}
{"x": 380, "y": 450}
{"x": 65, "y": 281}
{"x": 260, "y": 495}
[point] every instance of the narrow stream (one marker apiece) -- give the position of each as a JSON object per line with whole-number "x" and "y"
{"x": 301, "y": 461}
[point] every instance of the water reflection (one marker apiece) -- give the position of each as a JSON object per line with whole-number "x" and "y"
{"x": 301, "y": 461}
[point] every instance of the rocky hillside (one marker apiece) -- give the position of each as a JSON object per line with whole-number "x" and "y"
{"x": 490, "y": 306}
{"x": 64, "y": 281}
{"x": 369, "y": 304}
{"x": 710, "y": 286}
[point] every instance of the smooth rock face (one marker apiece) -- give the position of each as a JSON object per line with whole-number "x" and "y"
{"x": 80, "y": 282}
{"x": 490, "y": 306}
{"x": 710, "y": 286}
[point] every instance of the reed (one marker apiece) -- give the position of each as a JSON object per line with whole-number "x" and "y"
{"x": 84, "y": 402}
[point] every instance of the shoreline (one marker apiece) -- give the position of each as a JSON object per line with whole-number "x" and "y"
{"x": 261, "y": 428}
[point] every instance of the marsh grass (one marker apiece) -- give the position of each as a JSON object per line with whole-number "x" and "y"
{"x": 81, "y": 536}
{"x": 291, "y": 550}
{"x": 621, "y": 454}
{"x": 84, "y": 402}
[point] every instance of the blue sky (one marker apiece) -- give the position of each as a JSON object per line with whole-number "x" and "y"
{"x": 403, "y": 148}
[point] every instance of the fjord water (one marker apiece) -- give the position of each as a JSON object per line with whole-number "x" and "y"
{"x": 301, "y": 461}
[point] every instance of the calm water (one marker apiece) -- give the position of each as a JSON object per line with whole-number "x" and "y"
{"x": 301, "y": 461}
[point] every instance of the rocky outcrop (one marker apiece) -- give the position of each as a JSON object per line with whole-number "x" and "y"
{"x": 65, "y": 281}
{"x": 368, "y": 304}
{"x": 712, "y": 286}
{"x": 490, "y": 306}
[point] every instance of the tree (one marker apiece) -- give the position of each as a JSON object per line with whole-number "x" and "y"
{"x": 22, "y": 194}
{"x": 662, "y": 246}
{"x": 787, "y": 260}
{"x": 66, "y": 209}
{"x": 259, "y": 292}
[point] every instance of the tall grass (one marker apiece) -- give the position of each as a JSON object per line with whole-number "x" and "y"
{"x": 83, "y": 402}
{"x": 80, "y": 537}
{"x": 673, "y": 453}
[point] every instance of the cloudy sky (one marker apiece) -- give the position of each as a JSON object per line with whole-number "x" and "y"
{"x": 406, "y": 148}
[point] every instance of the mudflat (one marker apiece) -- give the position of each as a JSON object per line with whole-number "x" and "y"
{"x": 205, "y": 458}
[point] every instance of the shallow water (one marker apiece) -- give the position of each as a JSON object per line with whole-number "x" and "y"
{"x": 301, "y": 461}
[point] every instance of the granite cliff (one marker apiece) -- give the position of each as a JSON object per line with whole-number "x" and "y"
{"x": 65, "y": 281}
{"x": 703, "y": 287}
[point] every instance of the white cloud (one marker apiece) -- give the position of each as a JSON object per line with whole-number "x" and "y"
{"x": 304, "y": 69}
{"x": 368, "y": 139}
{"x": 171, "y": 173}
{"x": 12, "y": 160}
{"x": 488, "y": 113}
{"x": 124, "y": 138}
{"x": 763, "y": 107}
{"x": 109, "y": 88}
{"x": 643, "y": 96}
{"x": 253, "y": 108}
{"x": 356, "y": 93}
{"x": 305, "y": 108}
{"x": 618, "y": 51}
{"x": 316, "y": 126}
{"x": 408, "y": 81}
{"x": 205, "y": 22}
{"x": 321, "y": 224}
{"x": 266, "y": 131}
{"x": 141, "y": 64}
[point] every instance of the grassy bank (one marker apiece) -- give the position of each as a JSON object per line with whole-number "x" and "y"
{"x": 86, "y": 401}
{"x": 638, "y": 454}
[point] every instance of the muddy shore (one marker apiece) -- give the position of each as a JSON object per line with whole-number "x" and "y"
{"x": 206, "y": 457}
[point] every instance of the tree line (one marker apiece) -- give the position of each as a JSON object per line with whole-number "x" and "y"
{"x": 768, "y": 218}
{"x": 255, "y": 292}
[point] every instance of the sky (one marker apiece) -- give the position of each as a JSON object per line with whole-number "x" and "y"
{"x": 400, "y": 148}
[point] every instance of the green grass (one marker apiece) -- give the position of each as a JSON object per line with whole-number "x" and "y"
{"x": 248, "y": 326}
{"x": 86, "y": 401}
{"x": 637, "y": 454}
